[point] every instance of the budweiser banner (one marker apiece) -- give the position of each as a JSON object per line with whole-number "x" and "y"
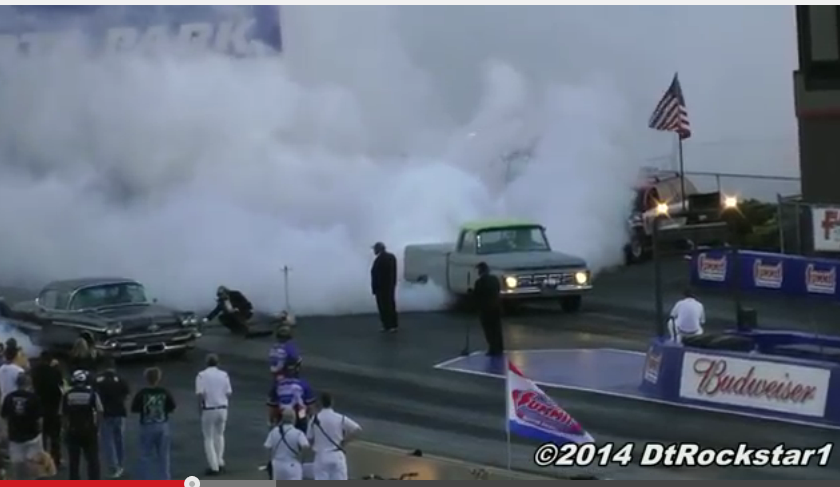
{"x": 756, "y": 384}
{"x": 789, "y": 275}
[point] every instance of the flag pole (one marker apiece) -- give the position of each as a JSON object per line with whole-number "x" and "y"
{"x": 507, "y": 414}
{"x": 682, "y": 169}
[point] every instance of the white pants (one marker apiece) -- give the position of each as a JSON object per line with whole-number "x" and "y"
{"x": 330, "y": 466}
{"x": 24, "y": 452}
{"x": 213, "y": 423}
{"x": 287, "y": 470}
{"x": 677, "y": 334}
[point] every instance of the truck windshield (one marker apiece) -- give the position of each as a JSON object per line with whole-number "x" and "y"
{"x": 512, "y": 239}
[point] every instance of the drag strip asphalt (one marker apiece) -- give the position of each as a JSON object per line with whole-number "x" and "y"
{"x": 388, "y": 382}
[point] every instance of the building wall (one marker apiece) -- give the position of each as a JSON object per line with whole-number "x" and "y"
{"x": 817, "y": 97}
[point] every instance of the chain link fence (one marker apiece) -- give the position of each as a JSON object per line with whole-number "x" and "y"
{"x": 794, "y": 225}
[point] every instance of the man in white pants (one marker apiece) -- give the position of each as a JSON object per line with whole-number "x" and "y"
{"x": 328, "y": 432}
{"x": 212, "y": 385}
{"x": 286, "y": 444}
{"x": 687, "y": 318}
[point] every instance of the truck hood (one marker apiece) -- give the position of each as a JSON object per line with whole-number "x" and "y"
{"x": 533, "y": 260}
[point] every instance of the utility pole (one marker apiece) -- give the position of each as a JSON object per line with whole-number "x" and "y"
{"x": 288, "y": 306}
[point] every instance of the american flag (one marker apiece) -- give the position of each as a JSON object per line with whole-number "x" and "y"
{"x": 671, "y": 114}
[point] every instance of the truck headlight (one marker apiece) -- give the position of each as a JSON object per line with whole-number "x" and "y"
{"x": 114, "y": 329}
{"x": 511, "y": 281}
{"x": 730, "y": 202}
{"x": 581, "y": 278}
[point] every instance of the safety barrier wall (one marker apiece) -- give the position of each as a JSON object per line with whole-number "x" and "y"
{"x": 747, "y": 271}
{"x": 765, "y": 386}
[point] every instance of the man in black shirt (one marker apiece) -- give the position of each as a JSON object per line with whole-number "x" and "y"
{"x": 22, "y": 411}
{"x": 488, "y": 301}
{"x": 80, "y": 409}
{"x": 113, "y": 391}
{"x": 233, "y": 309}
{"x": 383, "y": 285}
{"x": 48, "y": 381}
{"x": 154, "y": 404}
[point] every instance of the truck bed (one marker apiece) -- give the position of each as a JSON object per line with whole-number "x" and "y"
{"x": 426, "y": 262}
{"x": 438, "y": 248}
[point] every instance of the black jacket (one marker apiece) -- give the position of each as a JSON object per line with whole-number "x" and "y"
{"x": 47, "y": 381}
{"x": 237, "y": 300}
{"x": 113, "y": 391}
{"x": 383, "y": 274}
{"x": 487, "y": 293}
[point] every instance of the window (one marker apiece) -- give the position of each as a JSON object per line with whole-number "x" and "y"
{"x": 513, "y": 239}
{"x": 652, "y": 199}
{"x": 120, "y": 294}
{"x": 49, "y": 299}
{"x": 468, "y": 243}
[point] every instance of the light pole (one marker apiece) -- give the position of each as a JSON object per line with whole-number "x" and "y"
{"x": 661, "y": 212}
{"x": 730, "y": 204}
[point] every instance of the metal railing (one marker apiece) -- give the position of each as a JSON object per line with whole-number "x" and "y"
{"x": 758, "y": 186}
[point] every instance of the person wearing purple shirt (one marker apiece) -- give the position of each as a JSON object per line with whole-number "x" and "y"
{"x": 291, "y": 392}
{"x": 284, "y": 352}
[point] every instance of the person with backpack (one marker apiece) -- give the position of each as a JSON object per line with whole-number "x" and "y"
{"x": 80, "y": 411}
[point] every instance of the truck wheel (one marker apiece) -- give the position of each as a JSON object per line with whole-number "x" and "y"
{"x": 571, "y": 304}
{"x": 634, "y": 251}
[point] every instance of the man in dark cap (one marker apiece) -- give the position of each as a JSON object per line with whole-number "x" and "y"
{"x": 383, "y": 285}
{"x": 486, "y": 294}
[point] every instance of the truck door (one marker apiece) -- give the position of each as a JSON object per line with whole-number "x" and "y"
{"x": 460, "y": 272}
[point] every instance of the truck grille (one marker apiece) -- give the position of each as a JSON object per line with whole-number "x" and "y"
{"x": 547, "y": 279}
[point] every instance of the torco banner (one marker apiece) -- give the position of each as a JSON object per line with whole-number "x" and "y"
{"x": 826, "y": 225}
{"x": 790, "y": 275}
{"x": 41, "y": 30}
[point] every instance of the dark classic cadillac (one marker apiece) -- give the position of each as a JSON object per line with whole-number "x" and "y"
{"x": 113, "y": 313}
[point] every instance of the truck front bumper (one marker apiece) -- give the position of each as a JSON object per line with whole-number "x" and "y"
{"x": 535, "y": 292}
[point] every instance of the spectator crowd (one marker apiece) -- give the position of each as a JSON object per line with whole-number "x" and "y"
{"x": 65, "y": 413}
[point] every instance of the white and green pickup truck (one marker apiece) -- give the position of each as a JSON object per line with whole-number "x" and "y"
{"x": 517, "y": 251}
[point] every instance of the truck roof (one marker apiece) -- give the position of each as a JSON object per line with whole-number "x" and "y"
{"x": 476, "y": 226}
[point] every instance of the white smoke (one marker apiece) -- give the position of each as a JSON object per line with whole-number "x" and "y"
{"x": 8, "y": 331}
{"x": 189, "y": 173}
